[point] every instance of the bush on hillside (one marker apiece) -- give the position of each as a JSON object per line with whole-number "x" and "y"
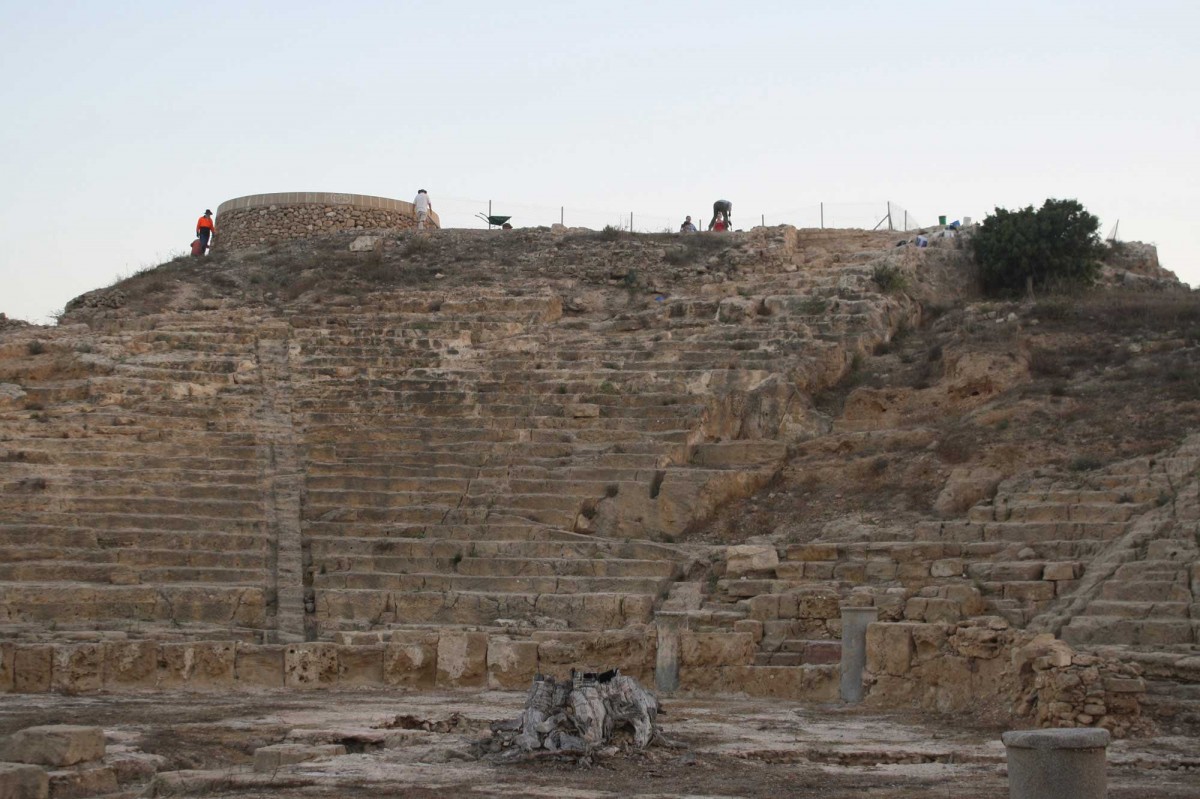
{"x": 1055, "y": 246}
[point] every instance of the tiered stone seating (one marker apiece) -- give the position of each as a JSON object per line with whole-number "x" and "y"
{"x": 456, "y": 449}
{"x": 454, "y": 502}
{"x": 132, "y": 496}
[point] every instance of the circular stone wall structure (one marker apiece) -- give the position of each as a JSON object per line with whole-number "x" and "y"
{"x": 260, "y": 219}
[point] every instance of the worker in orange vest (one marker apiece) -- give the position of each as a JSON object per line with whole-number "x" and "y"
{"x": 205, "y": 230}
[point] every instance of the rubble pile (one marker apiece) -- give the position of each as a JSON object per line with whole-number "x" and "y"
{"x": 576, "y": 718}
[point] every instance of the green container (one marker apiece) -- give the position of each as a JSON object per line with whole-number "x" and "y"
{"x": 941, "y": 220}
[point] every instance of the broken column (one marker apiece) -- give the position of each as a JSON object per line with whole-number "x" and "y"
{"x": 666, "y": 664}
{"x": 1066, "y": 763}
{"x": 854, "y": 650}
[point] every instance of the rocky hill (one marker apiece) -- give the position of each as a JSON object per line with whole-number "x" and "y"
{"x": 499, "y": 452}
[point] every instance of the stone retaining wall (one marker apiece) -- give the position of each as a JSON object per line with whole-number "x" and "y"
{"x": 710, "y": 662}
{"x": 261, "y": 219}
{"x": 986, "y": 667}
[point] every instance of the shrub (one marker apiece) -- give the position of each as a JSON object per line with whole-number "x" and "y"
{"x": 889, "y": 279}
{"x": 1054, "y": 246}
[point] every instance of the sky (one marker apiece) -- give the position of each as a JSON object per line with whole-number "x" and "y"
{"x": 120, "y": 122}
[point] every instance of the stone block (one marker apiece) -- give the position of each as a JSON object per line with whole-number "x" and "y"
{"x": 511, "y": 665}
{"x": 310, "y": 665}
{"x": 947, "y": 567}
{"x": 197, "y": 664}
{"x": 817, "y": 605}
{"x": 890, "y": 648}
{"x": 820, "y": 653}
{"x": 881, "y": 570}
{"x": 82, "y": 782}
{"x": 54, "y": 745}
{"x": 966, "y": 596}
{"x": 582, "y": 410}
{"x": 942, "y": 610}
{"x": 707, "y": 650}
{"x": 78, "y": 668}
{"x": 130, "y": 664}
{"x": 812, "y": 552}
{"x": 462, "y": 659}
{"x": 749, "y": 558}
{"x": 1124, "y": 685}
{"x": 360, "y": 665}
{"x": 964, "y": 488}
{"x": 367, "y": 244}
{"x": 751, "y": 626}
{"x": 915, "y": 572}
{"x": 1017, "y": 571}
{"x": 33, "y": 667}
{"x": 637, "y": 609}
{"x": 914, "y": 608}
{"x": 410, "y": 659}
{"x": 22, "y": 781}
{"x": 793, "y": 569}
{"x": 1030, "y": 591}
{"x": 819, "y": 571}
{"x": 633, "y": 650}
{"x": 268, "y": 759}
{"x": 852, "y": 571}
{"x": 1061, "y": 571}
{"x": 6, "y": 667}
{"x": 929, "y": 642}
{"x": 765, "y": 607}
{"x": 135, "y": 766}
{"x": 259, "y": 666}
{"x": 807, "y": 683}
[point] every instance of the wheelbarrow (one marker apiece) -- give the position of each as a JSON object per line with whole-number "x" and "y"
{"x": 493, "y": 220}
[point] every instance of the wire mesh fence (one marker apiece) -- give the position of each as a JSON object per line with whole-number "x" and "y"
{"x": 462, "y": 212}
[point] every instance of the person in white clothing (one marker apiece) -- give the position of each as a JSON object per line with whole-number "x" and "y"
{"x": 423, "y": 208}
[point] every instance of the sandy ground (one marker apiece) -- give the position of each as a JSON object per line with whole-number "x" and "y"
{"x": 727, "y": 748}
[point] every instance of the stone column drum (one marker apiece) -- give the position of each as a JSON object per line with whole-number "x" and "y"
{"x": 1065, "y": 763}
{"x": 854, "y": 650}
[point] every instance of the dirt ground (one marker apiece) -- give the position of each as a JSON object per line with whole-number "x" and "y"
{"x": 725, "y": 748}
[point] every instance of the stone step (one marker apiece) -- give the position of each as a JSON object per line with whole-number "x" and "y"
{"x": 1171, "y": 690}
{"x": 1057, "y": 512}
{"x": 158, "y": 479}
{"x": 488, "y": 549}
{"x": 1136, "y": 610}
{"x": 1146, "y": 591}
{"x": 130, "y": 556}
{"x": 70, "y": 602}
{"x": 136, "y": 521}
{"x": 1153, "y": 571}
{"x": 471, "y": 513}
{"x": 381, "y": 581}
{"x": 228, "y": 469}
{"x": 603, "y": 566}
{"x": 350, "y": 609}
{"x": 1046, "y": 551}
{"x": 64, "y": 489}
{"x": 1032, "y": 533}
{"x": 1132, "y": 632}
{"x": 210, "y": 509}
{"x": 599, "y": 566}
{"x": 366, "y": 538}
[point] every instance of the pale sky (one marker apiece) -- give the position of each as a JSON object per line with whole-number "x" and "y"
{"x": 120, "y": 122}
